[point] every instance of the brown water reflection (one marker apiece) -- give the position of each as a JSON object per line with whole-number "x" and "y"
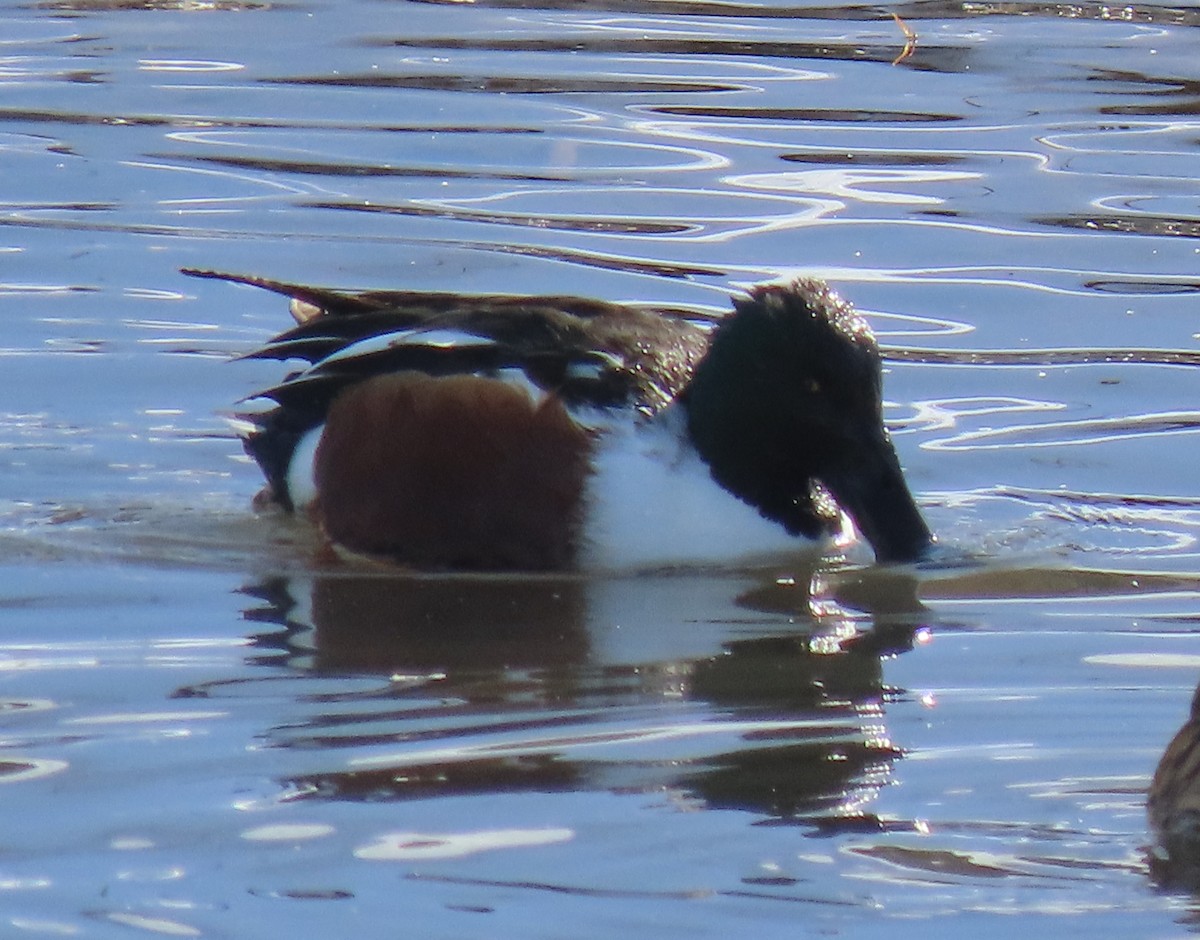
{"x": 382, "y": 623}
{"x": 499, "y": 685}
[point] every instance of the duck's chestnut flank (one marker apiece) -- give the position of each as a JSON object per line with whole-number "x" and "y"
{"x": 455, "y": 471}
{"x": 475, "y": 431}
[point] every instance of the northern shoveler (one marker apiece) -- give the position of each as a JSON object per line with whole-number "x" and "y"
{"x": 505, "y": 432}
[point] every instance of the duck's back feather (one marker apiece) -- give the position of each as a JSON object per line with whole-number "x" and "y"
{"x": 587, "y": 353}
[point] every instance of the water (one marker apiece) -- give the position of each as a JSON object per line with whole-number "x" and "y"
{"x": 205, "y": 730}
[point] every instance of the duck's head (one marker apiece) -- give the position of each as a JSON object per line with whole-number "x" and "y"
{"x": 786, "y": 407}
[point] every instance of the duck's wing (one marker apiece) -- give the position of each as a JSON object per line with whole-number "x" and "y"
{"x": 627, "y": 359}
{"x": 592, "y": 354}
{"x": 311, "y": 304}
{"x": 330, "y": 306}
{"x": 588, "y": 351}
{"x": 321, "y": 300}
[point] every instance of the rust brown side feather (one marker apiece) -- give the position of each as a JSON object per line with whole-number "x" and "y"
{"x": 452, "y": 472}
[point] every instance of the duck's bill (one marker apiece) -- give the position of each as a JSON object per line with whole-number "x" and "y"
{"x": 875, "y": 495}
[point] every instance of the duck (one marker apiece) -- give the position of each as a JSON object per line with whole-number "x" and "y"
{"x": 1173, "y": 805}
{"x": 448, "y": 431}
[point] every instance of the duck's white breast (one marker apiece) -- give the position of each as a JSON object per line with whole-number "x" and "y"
{"x": 653, "y": 503}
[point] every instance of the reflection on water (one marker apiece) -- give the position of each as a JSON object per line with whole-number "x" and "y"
{"x": 518, "y": 685}
{"x": 491, "y": 742}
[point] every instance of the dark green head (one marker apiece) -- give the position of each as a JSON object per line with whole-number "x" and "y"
{"x": 786, "y": 407}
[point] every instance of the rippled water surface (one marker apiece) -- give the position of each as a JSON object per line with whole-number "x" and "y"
{"x": 209, "y": 731}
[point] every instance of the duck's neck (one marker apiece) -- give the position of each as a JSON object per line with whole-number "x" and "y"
{"x": 739, "y": 432}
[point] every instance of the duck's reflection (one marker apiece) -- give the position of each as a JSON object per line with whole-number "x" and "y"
{"x": 1173, "y": 805}
{"x": 379, "y": 623}
{"x": 717, "y": 692}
